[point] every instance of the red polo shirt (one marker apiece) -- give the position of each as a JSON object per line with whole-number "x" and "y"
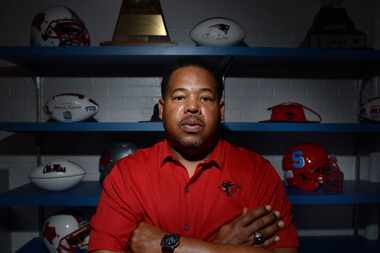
{"x": 152, "y": 186}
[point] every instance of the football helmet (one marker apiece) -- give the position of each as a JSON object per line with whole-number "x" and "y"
{"x": 65, "y": 233}
{"x": 111, "y": 155}
{"x": 308, "y": 167}
{"x": 370, "y": 110}
{"x": 58, "y": 27}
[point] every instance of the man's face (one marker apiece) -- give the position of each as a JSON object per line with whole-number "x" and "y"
{"x": 191, "y": 110}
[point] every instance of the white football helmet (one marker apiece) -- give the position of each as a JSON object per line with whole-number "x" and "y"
{"x": 370, "y": 110}
{"x": 58, "y": 27}
{"x": 64, "y": 233}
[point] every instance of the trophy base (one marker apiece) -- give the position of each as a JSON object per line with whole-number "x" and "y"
{"x": 138, "y": 40}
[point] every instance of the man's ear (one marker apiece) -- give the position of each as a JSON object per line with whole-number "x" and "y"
{"x": 160, "y": 107}
{"x": 221, "y": 110}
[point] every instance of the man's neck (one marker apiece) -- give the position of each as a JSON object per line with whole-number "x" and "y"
{"x": 190, "y": 165}
{"x": 190, "y": 157}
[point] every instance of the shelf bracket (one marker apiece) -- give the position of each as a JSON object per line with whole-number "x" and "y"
{"x": 38, "y": 81}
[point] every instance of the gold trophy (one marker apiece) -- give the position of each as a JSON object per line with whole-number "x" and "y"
{"x": 140, "y": 22}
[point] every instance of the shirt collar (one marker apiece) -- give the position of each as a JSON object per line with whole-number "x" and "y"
{"x": 217, "y": 156}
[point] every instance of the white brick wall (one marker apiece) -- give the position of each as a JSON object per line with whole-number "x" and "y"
{"x": 267, "y": 22}
{"x": 17, "y": 99}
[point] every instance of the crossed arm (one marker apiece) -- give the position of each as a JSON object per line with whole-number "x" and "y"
{"x": 234, "y": 237}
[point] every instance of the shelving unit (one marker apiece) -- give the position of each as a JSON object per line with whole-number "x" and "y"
{"x": 151, "y": 61}
{"x": 87, "y": 194}
{"x": 29, "y": 127}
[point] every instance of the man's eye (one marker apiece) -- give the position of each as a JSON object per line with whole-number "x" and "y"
{"x": 207, "y": 98}
{"x": 178, "y": 98}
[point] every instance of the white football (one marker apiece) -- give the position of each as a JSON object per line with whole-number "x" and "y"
{"x": 217, "y": 31}
{"x": 71, "y": 107}
{"x": 57, "y": 175}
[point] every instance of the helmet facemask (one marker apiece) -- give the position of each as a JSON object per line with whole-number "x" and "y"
{"x": 69, "y": 32}
{"x": 59, "y": 27}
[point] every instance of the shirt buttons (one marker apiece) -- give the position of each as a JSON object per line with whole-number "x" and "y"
{"x": 186, "y": 227}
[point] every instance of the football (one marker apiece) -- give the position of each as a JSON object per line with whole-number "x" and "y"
{"x": 57, "y": 175}
{"x": 217, "y": 31}
{"x": 71, "y": 107}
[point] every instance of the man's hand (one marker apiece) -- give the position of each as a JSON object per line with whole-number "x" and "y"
{"x": 146, "y": 238}
{"x": 242, "y": 229}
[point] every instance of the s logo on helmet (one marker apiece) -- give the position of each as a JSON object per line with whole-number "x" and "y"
{"x": 298, "y": 159}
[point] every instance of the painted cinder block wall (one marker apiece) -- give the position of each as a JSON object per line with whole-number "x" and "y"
{"x": 267, "y": 23}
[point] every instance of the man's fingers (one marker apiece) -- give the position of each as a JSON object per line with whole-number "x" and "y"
{"x": 268, "y": 220}
{"x": 272, "y": 230}
{"x": 252, "y": 215}
{"x": 269, "y": 241}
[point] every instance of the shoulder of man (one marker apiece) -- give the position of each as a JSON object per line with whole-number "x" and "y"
{"x": 142, "y": 158}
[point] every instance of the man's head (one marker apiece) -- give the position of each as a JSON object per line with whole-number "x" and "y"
{"x": 191, "y": 108}
{"x": 193, "y": 62}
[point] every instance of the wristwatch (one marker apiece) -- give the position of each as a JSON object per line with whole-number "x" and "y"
{"x": 169, "y": 242}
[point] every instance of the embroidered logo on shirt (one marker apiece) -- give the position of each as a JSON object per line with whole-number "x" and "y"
{"x": 229, "y": 188}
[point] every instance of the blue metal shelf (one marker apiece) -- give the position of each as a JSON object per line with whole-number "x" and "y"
{"x": 308, "y": 54}
{"x": 152, "y": 60}
{"x": 348, "y": 244}
{"x": 303, "y": 127}
{"x": 82, "y": 127}
{"x": 362, "y": 193}
{"x": 345, "y": 244}
{"x": 36, "y": 245}
{"x": 87, "y": 194}
{"x": 157, "y": 127}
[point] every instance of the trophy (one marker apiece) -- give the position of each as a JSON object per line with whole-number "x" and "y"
{"x": 333, "y": 28}
{"x": 140, "y": 22}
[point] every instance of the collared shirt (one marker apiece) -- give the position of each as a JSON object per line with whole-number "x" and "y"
{"x": 153, "y": 186}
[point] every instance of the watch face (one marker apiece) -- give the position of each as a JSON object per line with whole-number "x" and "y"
{"x": 170, "y": 240}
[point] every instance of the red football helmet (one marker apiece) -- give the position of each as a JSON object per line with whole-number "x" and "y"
{"x": 308, "y": 166}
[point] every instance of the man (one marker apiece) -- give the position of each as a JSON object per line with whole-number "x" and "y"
{"x": 193, "y": 191}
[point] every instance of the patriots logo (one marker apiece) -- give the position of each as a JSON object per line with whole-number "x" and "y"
{"x": 222, "y": 27}
{"x": 229, "y": 188}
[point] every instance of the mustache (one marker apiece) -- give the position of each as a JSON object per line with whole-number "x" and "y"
{"x": 192, "y": 120}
